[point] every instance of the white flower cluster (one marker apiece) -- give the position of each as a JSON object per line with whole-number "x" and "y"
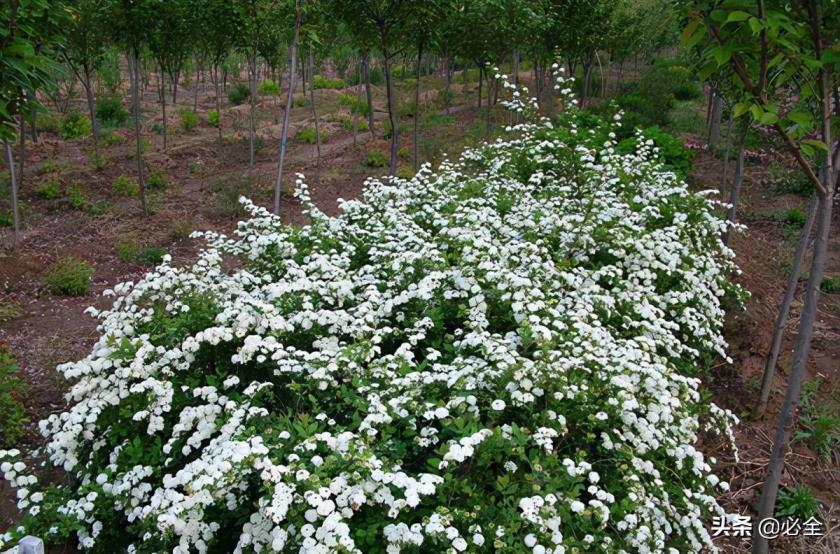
{"x": 494, "y": 355}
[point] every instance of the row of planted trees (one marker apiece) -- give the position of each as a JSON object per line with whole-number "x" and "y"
{"x": 775, "y": 66}
{"x": 167, "y": 37}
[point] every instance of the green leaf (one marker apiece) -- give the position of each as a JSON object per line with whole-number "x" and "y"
{"x": 768, "y": 118}
{"x": 818, "y": 144}
{"x": 756, "y": 111}
{"x": 722, "y": 55}
{"x": 755, "y": 25}
{"x": 802, "y": 119}
{"x": 737, "y": 15}
{"x": 689, "y": 31}
{"x": 740, "y": 109}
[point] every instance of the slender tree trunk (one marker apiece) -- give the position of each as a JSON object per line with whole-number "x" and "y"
{"x": 312, "y": 101}
{"x": 91, "y": 104}
{"x": 218, "y": 100}
{"x": 489, "y": 106}
{"x": 728, "y": 148}
{"x": 516, "y": 67}
{"x": 163, "y": 104}
{"x": 22, "y": 148}
{"x": 303, "y": 77}
{"x": 480, "y": 84}
{"x": 252, "y": 78}
{"x": 10, "y": 160}
{"x": 368, "y": 92}
{"x": 195, "y": 93}
{"x": 175, "y": 79}
{"x": 417, "y": 111}
{"x": 735, "y": 192}
{"x": 134, "y": 69}
{"x": 714, "y": 124}
{"x": 284, "y": 134}
{"x": 448, "y": 90}
{"x": 784, "y": 309}
{"x": 802, "y": 345}
{"x": 389, "y": 86}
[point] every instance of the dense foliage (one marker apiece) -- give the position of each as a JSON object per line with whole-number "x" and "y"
{"x": 497, "y": 356}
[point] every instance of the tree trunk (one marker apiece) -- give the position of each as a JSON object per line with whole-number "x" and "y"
{"x": 802, "y": 347}
{"x": 252, "y": 78}
{"x": 515, "y": 67}
{"x": 175, "y": 79}
{"x": 448, "y": 90}
{"x": 91, "y": 104}
{"x": 728, "y": 148}
{"x": 784, "y": 309}
{"x": 22, "y": 147}
{"x": 312, "y": 101}
{"x": 489, "y": 106}
{"x": 218, "y": 100}
{"x": 389, "y": 88}
{"x": 15, "y": 216}
{"x": 480, "y": 84}
{"x": 284, "y": 134}
{"x": 417, "y": 111}
{"x": 735, "y": 192}
{"x": 714, "y": 124}
{"x": 163, "y": 104}
{"x": 368, "y": 92}
{"x": 134, "y": 68}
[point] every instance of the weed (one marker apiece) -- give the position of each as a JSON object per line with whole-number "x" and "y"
{"x": 9, "y": 310}
{"x": 301, "y": 101}
{"x": 189, "y": 119}
{"x": 127, "y": 249}
{"x": 110, "y": 112}
{"x": 75, "y": 125}
{"x": 48, "y": 122}
{"x": 182, "y": 229}
{"x": 76, "y": 198}
{"x": 306, "y": 135}
{"x": 797, "y": 501}
{"x": 195, "y": 167}
{"x": 151, "y": 255}
{"x": 830, "y": 284}
{"x": 238, "y": 94}
{"x": 347, "y": 123}
{"x": 125, "y": 186}
{"x": 787, "y": 180}
{"x": 376, "y": 158}
{"x": 156, "y": 179}
{"x": 50, "y": 189}
{"x": 213, "y": 118}
{"x": 321, "y": 82}
{"x": 111, "y": 138}
{"x": 405, "y": 172}
{"x": 820, "y": 426}
{"x": 404, "y": 153}
{"x": 70, "y": 277}
{"x": 269, "y": 88}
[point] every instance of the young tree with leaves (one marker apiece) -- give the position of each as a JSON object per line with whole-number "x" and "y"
{"x": 775, "y": 51}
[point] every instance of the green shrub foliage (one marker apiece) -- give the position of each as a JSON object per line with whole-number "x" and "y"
{"x": 238, "y": 94}
{"x": 70, "y": 277}
{"x": 499, "y": 356}
{"x": 75, "y": 125}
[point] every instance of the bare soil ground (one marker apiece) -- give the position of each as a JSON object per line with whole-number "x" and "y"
{"x": 206, "y": 175}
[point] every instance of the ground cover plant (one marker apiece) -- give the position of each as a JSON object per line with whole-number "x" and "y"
{"x": 497, "y": 356}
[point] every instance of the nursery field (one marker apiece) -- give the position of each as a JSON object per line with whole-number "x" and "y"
{"x": 298, "y": 276}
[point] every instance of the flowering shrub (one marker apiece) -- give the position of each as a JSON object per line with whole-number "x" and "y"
{"x": 499, "y": 356}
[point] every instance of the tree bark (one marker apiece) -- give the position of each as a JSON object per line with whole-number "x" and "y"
{"x": 728, "y": 148}
{"x": 163, "y": 103}
{"x": 252, "y": 70}
{"x": 738, "y": 179}
{"x": 784, "y": 308}
{"x": 218, "y": 100}
{"x": 448, "y": 90}
{"x": 417, "y": 111}
{"x": 368, "y": 92}
{"x": 91, "y": 104}
{"x": 714, "y": 124}
{"x": 389, "y": 86}
{"x": 13, "y": 181}
{"x": 134, "y": 68}
{"x": 284, "y": 134}
{"x": 312, "y": 101}
{"x": 480, "y": 84}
